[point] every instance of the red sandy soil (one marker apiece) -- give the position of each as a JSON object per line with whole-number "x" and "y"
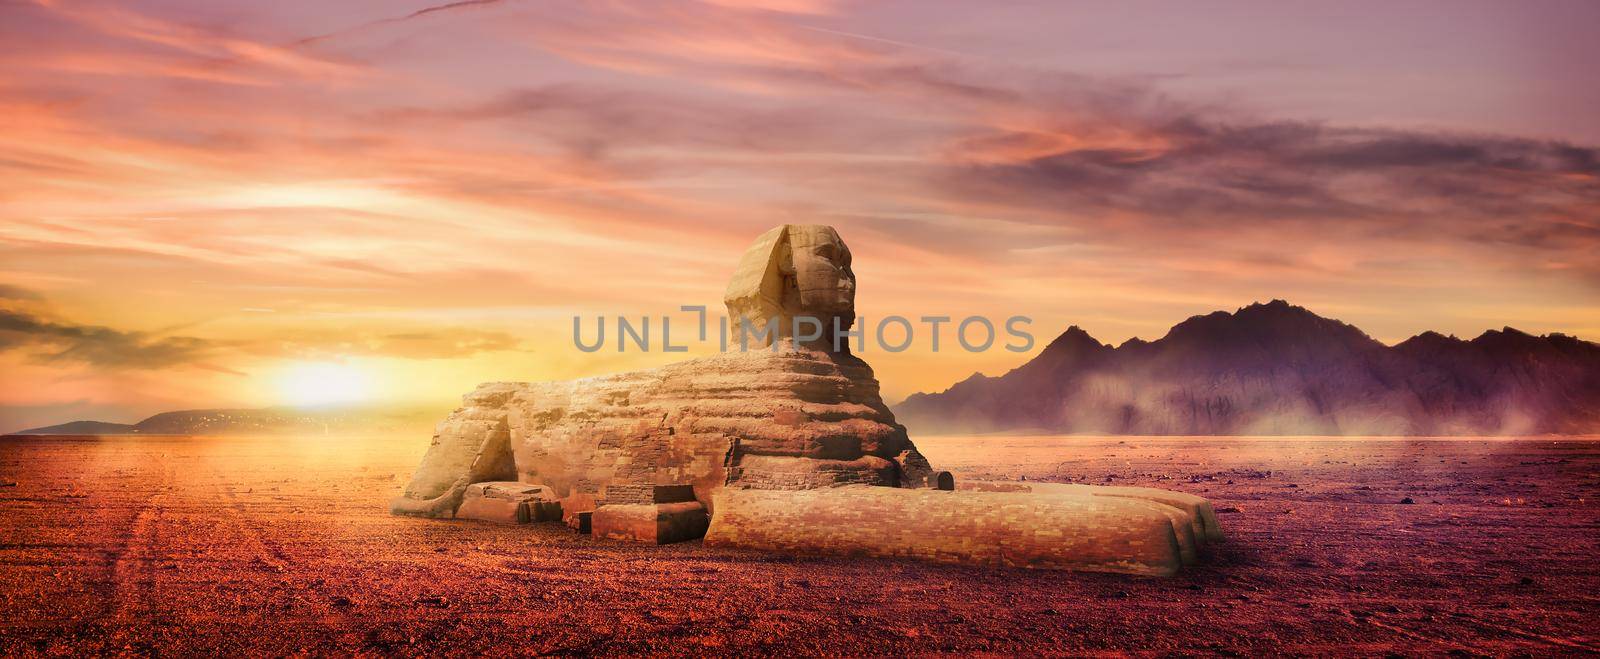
{"x": 150, "y": 545}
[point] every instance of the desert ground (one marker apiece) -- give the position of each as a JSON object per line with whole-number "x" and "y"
{"x": 283, "y": 545}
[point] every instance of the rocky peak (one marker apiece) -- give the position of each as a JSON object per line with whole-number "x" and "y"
{"x": 1074, "y": 340}
{"x": 1272, "y": 325}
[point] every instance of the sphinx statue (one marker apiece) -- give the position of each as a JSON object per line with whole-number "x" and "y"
{"x": 781, "y": 443}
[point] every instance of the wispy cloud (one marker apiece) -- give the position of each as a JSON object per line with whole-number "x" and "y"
{"x": 44, "y": 339}
{"x": 101, "y": 347}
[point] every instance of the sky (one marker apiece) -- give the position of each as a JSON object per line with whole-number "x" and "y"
{"x": 225, "y": 204}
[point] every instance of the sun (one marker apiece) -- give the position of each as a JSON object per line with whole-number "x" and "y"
{"x": 323, "y": 383}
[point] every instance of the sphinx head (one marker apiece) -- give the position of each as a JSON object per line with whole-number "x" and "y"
{"x": 792, "y": 271}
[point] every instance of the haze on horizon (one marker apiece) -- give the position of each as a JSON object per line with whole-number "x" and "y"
{"x": 217, "y": 205}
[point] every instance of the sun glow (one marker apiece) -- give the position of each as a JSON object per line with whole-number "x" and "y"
{"x": 323, "y": 383}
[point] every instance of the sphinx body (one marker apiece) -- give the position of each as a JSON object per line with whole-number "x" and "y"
{"x": 778, "y": 414}
{"x": 785, "y": 445}
{"x": 784, "y": 420}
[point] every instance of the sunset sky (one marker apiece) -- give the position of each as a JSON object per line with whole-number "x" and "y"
{"x": 209, "y": 204}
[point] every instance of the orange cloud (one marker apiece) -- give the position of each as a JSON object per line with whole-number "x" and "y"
{"x": 438, "y": 191}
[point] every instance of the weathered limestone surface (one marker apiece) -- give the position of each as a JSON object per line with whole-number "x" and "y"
{"x": 789, "y": 448}
{"x": 656, "y": 514}
{"x": 792, "y": 271}
{"x": 472, "y": 446}
{"x": 1194, "y": 522}
{"x": 653, "y": 523}
{"x": 493, "y": 510}
{"x": 1199, "y": 510}
{"x": 796, "y": 416}
{"x": 508, "y": 502}
{"x": 1103, "y": 534}
{"x": 792, "y": 419}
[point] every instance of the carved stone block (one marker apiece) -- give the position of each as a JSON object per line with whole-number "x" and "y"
{"x": 653, "y": 523}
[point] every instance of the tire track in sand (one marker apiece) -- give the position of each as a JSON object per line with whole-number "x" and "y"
{"x": 131, "y": 567}
{"x": 257, "y": 540}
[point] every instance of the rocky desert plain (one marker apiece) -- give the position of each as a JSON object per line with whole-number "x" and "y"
{"x": 183, "y": 545}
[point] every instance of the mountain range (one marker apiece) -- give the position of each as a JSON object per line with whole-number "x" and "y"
{"x": 256, "y": 421}
{"x": 1265, "y": 369}
{"x": 1279, "y": 369}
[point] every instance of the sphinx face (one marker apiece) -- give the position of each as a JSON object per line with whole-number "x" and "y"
{"x": 824, "y": 286}
{"x": 792, "y": 271}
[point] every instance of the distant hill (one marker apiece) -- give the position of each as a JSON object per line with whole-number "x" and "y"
{"x": 266, "y": 420}
{"x": 1279, "y": 369}
{"x": 80, "y": 428}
